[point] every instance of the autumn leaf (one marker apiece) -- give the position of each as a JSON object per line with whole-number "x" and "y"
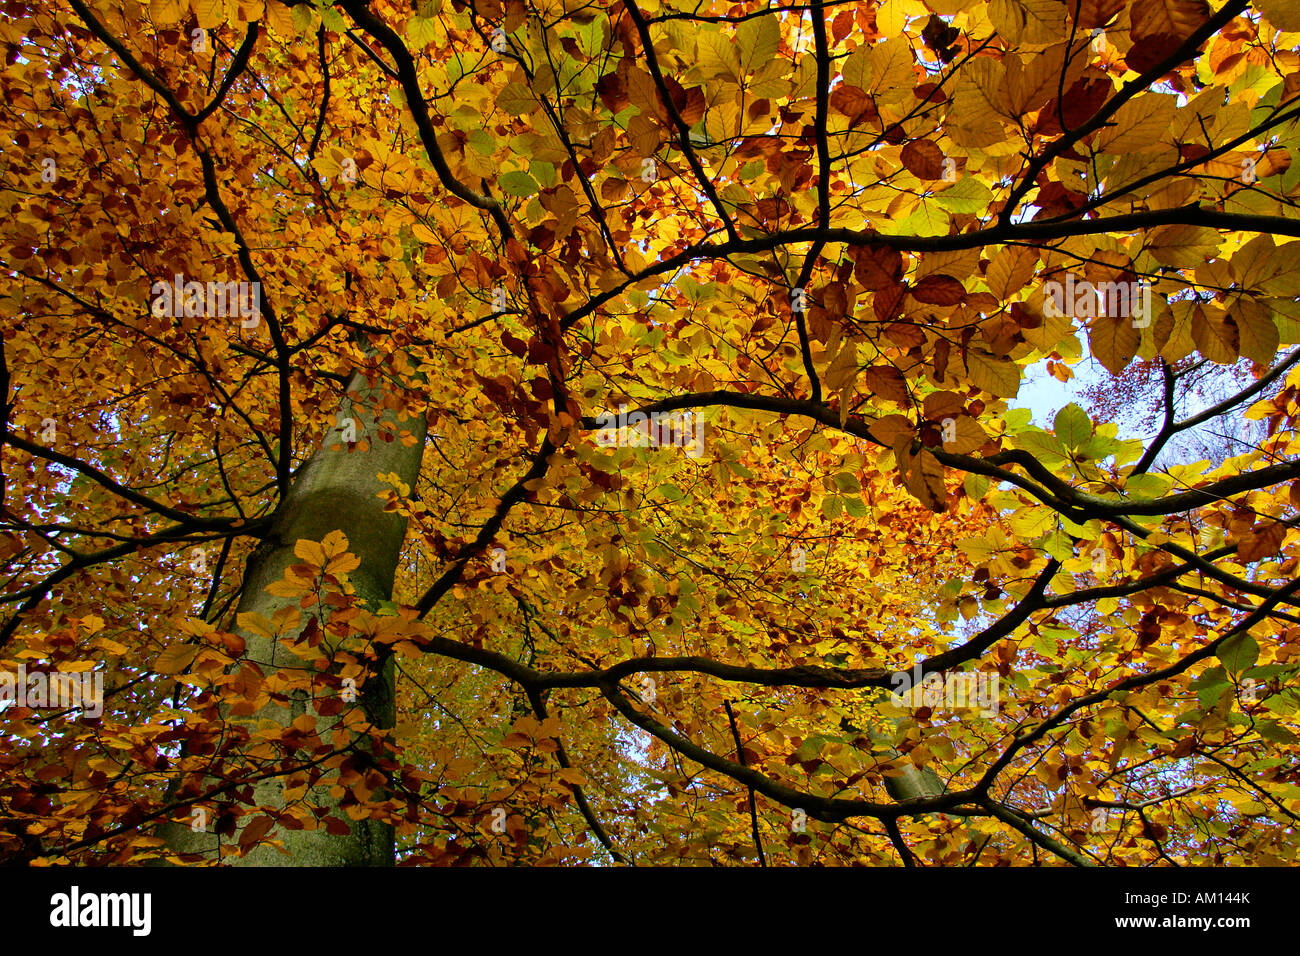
{"x": 1178, "y": 18}
{"x": 255, "y": 830}
{"x": 1114, "y": 341}
{"x": 175, "y": 659}
{"x": 877, "y": 266}
{"x": 1262, "y": 541}
{"x": 209, "y": 13}
{"x": 923, "y": 159}
{"x": 921, "y": 473}
{"x": 939, "y": 290}
{"x": 311, "y": 552}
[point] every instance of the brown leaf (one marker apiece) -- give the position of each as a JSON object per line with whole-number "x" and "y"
{"x": 877, "y": 266}
{"x": 1090, "y": 14}
{"x": 254, "y": 832}
{"x": 887, "y": 382}
{"x": 1150, "y": 50}
{"x": 1262, "y": 541}
{"x": 835, "y": 300}
{"x": 612, "y": 91}
{"x": 940, "y": 362}
{"x": 939, "y": 405}
{"x": 1177, "y": 17}
{"x": 887, "y": 430}
{"x": 888, "y": 302}
{"x": 1215, "y": 334}
{"x": 939, "y": 290}
{"x": 923, "y": 159}
{"x": 853, "y": 103}
{"x": 922, "y": 475}
{"x": 692, "y": 105}
{"x": 905, "y": 334}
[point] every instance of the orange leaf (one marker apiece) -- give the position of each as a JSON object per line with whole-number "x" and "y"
{"x": 1262, "y": 541}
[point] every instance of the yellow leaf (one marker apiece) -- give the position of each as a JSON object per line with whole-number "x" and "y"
{"x": 572, "y": 775}
{"x": 1114, "y": 342}
{"x": 1215, "y": 334}
{"x": 279, "y": 19}
{"x": 759, "y": 39}
{"x": 962, "y": 435}
{"x": 256, "y": 623}
{"x": 1178, "y": 344}
{"x": 210, "y": 13}
{"x": 343, "y": 564}
{"x": 1184, "y": 246}
{"x": 286, "y": 619}
{"x": 891, "y": 18}
{"x": 165, "y": 12}
{"x": 1011, "y": 270}
{"x": 311, "y": 552}
{"x": 175, "y": 658}
{"x": 1140, "y": 124}
{"x": 1032, "y": 522}
{"x": 1257, "y": 332}
{"x": 844, "y": 368}
{"x": 994, "y": 375}
{"x": 334, "y": 543}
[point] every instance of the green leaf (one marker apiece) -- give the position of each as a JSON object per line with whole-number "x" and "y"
{"x": 481, "y": 141}
{"x": 856, "y": 507}
{"x": 305, "y": 18}
{"x": 1058, "y": 545}
{"x": 1046, "y": 448}
{"x": 671, "y": 492}
{"x": 518, "y": 183}
{"x": 1017, "y": 420}
{"x": 1272, "y": 730}
{"x": 333, "y": 20}
{"x": 1147, "y": 486}
{"x": 1210, "y": 694}
{"x": 845, "y": 481}
{"x": 544, "y": 173}
{"x": 968, "y": 195}
{"x": 420, "y": 32}
{"x": 1098, "y": 447}
{"x": 1239, "y": 653}
{"x": 1072, "y": 426}
{"x": 928, "y": 219}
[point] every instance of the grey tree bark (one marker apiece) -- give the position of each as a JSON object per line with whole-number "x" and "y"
{"x": 337, "y": 490}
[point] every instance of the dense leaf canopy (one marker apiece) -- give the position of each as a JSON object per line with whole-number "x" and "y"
{"x": 738, "y": 535}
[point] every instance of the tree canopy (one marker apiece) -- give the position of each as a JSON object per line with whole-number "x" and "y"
{"x": 553, "y": 432}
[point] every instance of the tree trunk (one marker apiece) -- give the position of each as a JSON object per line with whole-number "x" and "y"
{"x": 334, "y": 491}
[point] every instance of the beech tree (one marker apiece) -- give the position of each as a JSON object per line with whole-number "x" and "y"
{"x": 539, "y": 432}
